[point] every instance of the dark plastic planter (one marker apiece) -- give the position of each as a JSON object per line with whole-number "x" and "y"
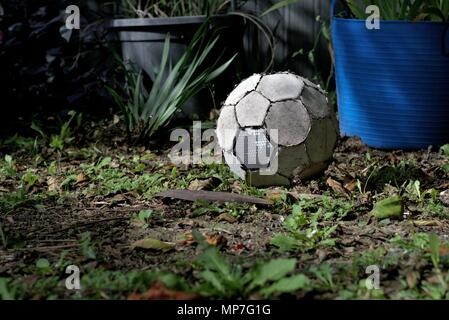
{"x": 143, "y": 40}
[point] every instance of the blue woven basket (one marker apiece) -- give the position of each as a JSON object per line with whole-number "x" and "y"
{"x": 392, "y": 83}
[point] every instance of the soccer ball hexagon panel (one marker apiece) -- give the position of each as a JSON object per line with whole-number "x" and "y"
{"x": 277, "y": 126}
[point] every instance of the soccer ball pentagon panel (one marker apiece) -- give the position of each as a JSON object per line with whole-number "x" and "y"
{"x": 275, "y": 127}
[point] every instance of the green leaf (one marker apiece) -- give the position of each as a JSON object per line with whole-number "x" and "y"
{"x": 5, "y": 293}
{"x": 272, "y": 271}
{"x": 153, "y": 244}
{"x": 434, "y": 244}
{"x": 445, "y": 150}
{"x": 43, "y": 264}
{"x": 392, "y": 207}
{"x": 212, "y": 278}
{"x": 104, "y": 162}
{"x": 286, "y": 285}
{"x": 212, "y": 260}
{"x": 284, "y": 243}
{"x": 8, "y": 159}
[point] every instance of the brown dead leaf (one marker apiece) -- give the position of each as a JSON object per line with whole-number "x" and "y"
{"x": 273, "y": 195}
{"x": 351, "y": 185}
{"x": 53, "y": 184}
{"x": 336, "y": 186}
{"x": 201, "y": 184}
{"x": 115, "y": 119}
{"x": 227, "y": 217}
{"x": 188, "y": 239}
{"x": 412, "y": 279}
{"x": 159, "y": 291}
{"x": 81, "y": 178}
{"x": 237, "y": 186}
{"x": 444, "y": 197}
{"x": 213, "y": 240}
{"x": 216, "y": 240}
{"x": 239, "y": 247}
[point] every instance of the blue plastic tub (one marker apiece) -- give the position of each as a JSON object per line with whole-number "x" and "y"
{"x": 392, "y": 83}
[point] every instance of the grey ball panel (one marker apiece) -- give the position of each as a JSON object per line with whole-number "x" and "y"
{"x": 252, "y": 109}
{"x": 315, "y": 102}
{"x": 313, "y": 170}
{"x": 321, "y": 141}
{"x": 292, "y": 121}
{"x": 292, "y": 158}
{"x": 254, "y": 178}
{"x": 227, "y": 128}
{"x": 280, "y": 86}
{"x": 242, "y": 89}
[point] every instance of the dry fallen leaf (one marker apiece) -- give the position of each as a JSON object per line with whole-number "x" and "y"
{"x": 159, "y": 291}
{"x": 273, "y": 195}
{"x": 216, "y": 240}
{"x": 116, "y": 119}
{"x": 239, "y": 247}
{"x": 336, "y": 186}
{"x": 351, "y": 185}
{"x": 201, "y": 184}
{"x": 81, "y": 178}
{"x": 153, "y": 244}
{"x": 227, "y": 217}
{"x": 427, "y": 223}
{"x": 53, "y": 184}
{"x": 213, "y": 240}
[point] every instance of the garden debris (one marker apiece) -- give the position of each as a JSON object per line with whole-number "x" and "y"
{"x": 153, "y": 244}
{"x": 427, "y": 223}
{"x": 227, "y": 217}
{"x": 81, "y": 178}
{"x": 211, "y": 239}
{"x": 336, "y": 186}
{"x": 53, "y": 184}
{"x": 444, "y": 197}
{"x": 159, "y": 291}
{"x": 202, "y": 184}
{"x": 222, "y": 197}
{"x": 392, "y": 207}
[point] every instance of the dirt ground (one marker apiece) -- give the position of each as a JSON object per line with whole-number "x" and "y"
{"x": 95, "y": 207}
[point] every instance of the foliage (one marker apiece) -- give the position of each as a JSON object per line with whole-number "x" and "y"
{"x": 147, "y": 111}
{"x": 411, "y": 10}
{"x": 173, "y": 8}
{"x": 222, "y": 279}
{"x": 305, "y": 224}
{"x": 417, "y": 10}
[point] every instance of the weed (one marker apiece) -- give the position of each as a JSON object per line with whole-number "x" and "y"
{"x": 218, "y": 277}
{"x": 145, "y": 217}
{"x": 306, "y": 224}
{"x": 324, "y": 274}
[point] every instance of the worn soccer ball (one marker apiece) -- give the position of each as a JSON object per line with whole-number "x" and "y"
{"x": 275, "y": 127}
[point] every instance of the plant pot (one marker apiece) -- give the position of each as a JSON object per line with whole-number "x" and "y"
{"x": 143, "y": 40}
{"x": 392, "y": 83}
